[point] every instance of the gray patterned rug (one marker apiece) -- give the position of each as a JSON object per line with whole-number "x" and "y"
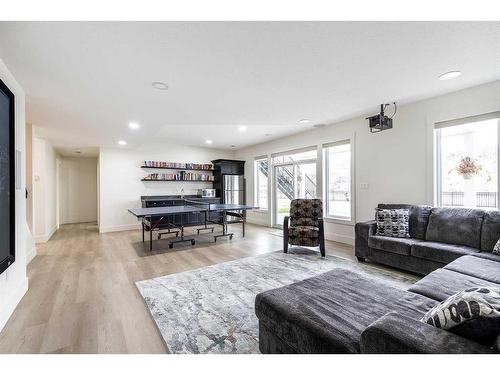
{"x": 211, "y": 309}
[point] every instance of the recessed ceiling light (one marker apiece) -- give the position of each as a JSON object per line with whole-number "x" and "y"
{"x": 304, "y": 121}
{"x": 122, "y": 143}
{"x": 242, "y": 128}
{"x": 450, "y": 75}
{"x": 134, "y": 125}
{"x": 159, "y": 85}
{"x": 209, "y": 142}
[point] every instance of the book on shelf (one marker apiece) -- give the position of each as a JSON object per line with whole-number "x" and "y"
{"x": 180, "y": 176}
{"x": 166, "y": 165}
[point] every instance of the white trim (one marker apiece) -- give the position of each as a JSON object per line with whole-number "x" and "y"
{"x": 338, "y": 219}
{"x": 45, "y": 237}
{"x": 256, "y": 191}
{"x": 467, "y": 120}
{"x": 294, "y": 151}
{"x": 119, "y": 228}
{"x": 340, "y": 238}
{"x": 437, "y": 172}
{"x": 76, "y": 220}
{"x": 8, "y": 306}
{"x": 337, "y": 143}
{"x": 30, "y": 254}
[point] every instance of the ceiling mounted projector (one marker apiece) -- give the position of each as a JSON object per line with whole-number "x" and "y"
{"x": 381, "y": 122}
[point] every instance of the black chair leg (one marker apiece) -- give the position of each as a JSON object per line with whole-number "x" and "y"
{"x": 285, "y": 235}
{"x": 321, "y": 238}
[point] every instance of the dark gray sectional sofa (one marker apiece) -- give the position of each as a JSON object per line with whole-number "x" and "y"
{"x": 345, "y": 312}
{"x": 438, "y": 236}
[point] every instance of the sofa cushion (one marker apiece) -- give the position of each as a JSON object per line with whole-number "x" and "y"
{"x": 304, "y": 231}
{"x": 440, "y": 252}
{"x": 443, "y": 283}
{"x": 458, "y": 226}
{"x": 306, "y": 212}
{"x": 489, "y": 256}
{"x": 490, "y": 232}
{"x": 328, "y": 313}
{"x": 404, "y": 262}
{"x": 418, "y": 220}
{"x": 392, "y": 244}
{"x": 478, "y": 267}
{"x": 473, "y": 313}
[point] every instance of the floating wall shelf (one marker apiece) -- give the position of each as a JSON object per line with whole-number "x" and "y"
{"x": 180, "y": 169}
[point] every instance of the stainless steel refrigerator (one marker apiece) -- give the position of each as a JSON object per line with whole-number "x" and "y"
{"x": 233, "y": 189}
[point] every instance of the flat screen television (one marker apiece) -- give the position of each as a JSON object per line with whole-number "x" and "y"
{"x": 7, "y": 179}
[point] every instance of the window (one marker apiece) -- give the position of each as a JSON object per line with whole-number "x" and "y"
{"x": 261, "y": 180}
{"x": 467, "y": 163}
{"x": 309, "y": 153}
{"x": 294, "y": 177}
{"x": 338, "y": 173}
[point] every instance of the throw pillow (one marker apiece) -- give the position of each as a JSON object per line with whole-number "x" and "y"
{"x": 472, "y": 313}
{"x": 392, "y": 223}
{"x": 496, "y": 249}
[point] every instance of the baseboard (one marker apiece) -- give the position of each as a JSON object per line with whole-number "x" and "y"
{"x": 8, "y": 306}
{"x": 30, "y": 254}
{"x": 119, "y": 228}
{"x": 340, "y": 238}
{"x": 45, "y": 237}
{"x": 256, "y": 221}
{"x": 79, "y": 220}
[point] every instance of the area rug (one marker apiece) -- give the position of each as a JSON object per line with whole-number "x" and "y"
{"x": 211, "y": 309}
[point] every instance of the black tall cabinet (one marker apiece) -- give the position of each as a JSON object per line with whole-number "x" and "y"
{"x": 224, "y": 167}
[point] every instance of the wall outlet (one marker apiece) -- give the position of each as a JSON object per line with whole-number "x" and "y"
{"x": 364, "y": 186}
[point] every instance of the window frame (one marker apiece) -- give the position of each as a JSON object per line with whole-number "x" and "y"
{"x": 256, "y": 195}
{"x": 437, "y": 162}
{"x": 326, "y": 181}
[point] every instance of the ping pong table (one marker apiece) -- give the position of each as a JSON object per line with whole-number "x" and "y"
{"x": 172, "y": 218}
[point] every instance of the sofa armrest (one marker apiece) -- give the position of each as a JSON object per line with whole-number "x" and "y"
{"x": 366, "y": 229}
{"x": 395, "y": 333}
{"x": 362, "y": 232}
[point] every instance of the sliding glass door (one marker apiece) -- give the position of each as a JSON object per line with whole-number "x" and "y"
{"x": 284, "y": 182}
{"x": 294, "y": 177}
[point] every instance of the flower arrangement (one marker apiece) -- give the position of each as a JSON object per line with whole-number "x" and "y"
{"x": 468, "y": 168}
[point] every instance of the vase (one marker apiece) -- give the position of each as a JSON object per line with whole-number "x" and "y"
{"x": 467, "y": 176}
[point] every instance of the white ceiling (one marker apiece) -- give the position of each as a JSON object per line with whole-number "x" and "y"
{"x": 85, "y": 81}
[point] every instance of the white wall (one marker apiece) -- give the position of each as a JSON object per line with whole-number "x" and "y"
{"x": 45, "y": 160}
{"x": 396, "y": 164}
{"x": 120, "y": 174}
{"x": 13, "y": 282}
{"x": 78, "y": 190}
{"x": 29, "y": 175}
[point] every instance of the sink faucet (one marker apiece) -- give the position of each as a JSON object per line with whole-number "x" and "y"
{"x": 182, "y": 193}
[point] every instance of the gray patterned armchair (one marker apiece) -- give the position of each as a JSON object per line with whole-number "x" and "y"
{"x": 304, "y": 226}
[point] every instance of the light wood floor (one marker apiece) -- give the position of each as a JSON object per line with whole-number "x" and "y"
{"x": 82, "y": 297}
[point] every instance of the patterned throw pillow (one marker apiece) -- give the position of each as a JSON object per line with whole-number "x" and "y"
{"x": 473, "y": 313}
{"x": 392, "y": 223}
{"x": 496, "y": 249}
